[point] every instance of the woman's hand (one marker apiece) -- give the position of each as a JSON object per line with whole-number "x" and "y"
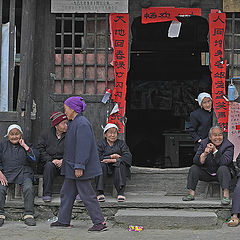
{"x": 3, "y": 179}
{"x": 115, "y": 156}
{"x": 109, "y": 160}
{"x": 212, "y": 147}
{"x": 23, "y": 144}
{"x": 78, "y": 172}
{"x": 57, "y": 162}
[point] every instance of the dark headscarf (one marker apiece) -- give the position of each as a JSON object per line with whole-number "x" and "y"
{"x": 76, "y": 103}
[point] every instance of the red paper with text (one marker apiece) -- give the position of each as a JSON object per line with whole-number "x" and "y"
{"x": 119, "y": 28}
{"x": 163, "y": 14}
{"x": 217, "y": 23}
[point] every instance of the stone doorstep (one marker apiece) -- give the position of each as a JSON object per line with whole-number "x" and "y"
{"x": 151, "y": 204}
{"x": 167, "y": 219}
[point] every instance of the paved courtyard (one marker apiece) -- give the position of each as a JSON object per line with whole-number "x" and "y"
{"x": 19, "y": 231}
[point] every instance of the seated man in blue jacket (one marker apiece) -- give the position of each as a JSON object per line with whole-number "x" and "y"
{"x": 212, "y": 162}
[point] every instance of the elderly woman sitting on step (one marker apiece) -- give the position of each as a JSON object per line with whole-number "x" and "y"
{"x": 16, "y": 161}
{"x": 116, "y": 160}
{"x": 212, "y": 162}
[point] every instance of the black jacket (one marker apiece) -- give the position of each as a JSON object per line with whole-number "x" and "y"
{"x": 119, "y": 147}
{"x": 50, "y": 147}
{"x": 224, "y": 156}
{"x": 200, "y": 124}
{"x": 16, "y": 163}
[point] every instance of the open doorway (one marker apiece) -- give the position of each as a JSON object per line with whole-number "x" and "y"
{"x": 166, "y": 74}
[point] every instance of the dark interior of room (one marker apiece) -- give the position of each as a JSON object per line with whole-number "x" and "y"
{"x": 165, "y": 76}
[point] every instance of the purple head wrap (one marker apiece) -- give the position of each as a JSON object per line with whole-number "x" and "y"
{"x": 76, "y": 103}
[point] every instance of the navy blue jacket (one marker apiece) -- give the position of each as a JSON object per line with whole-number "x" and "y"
{"x": 200, "y": 124}
{"x": 224, "y": 156}
{"x": 80, "y": 150}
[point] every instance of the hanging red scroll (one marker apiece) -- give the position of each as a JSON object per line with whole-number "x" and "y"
{"x": 164, "y": 14}
{"x": 217, "y": 23}
{"x": 119, "y": 29}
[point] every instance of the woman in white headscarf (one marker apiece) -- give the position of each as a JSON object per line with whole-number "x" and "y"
{"x": 201, "y": 119}
{"x": 16, "y": 161}
{"x": 116, "y": 160}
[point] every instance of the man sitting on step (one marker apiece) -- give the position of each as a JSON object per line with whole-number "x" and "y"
{"x": 212, "y": 162}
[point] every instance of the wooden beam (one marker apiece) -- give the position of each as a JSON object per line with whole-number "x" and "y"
{"x": 0, "y": 41}
{"x": 9, "y": 117}
{"x": 11, "y": 54}
{"x": 26, "y": 65}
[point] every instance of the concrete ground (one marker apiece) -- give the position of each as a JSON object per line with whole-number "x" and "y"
{"x": 19, "y": 231}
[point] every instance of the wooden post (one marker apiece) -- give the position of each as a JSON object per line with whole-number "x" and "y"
{"x": 26, "y": 65}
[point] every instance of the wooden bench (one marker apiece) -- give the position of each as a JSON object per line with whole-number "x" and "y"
{"x": 14, "y": 192}
{"x": 209, "y": 191}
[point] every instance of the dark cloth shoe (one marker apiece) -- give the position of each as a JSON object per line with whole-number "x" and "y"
{"x": 58, "y": 224}
{"x": 189, "y": 197}
{"x": 101, "y": 198}
{"x": 78, "y": 198}
{"x": 225, "y": 201}
{"x": 98, "y": 227}
{"x": 1, "y": 221}
{"x": 47, "y": 199}
{"x": 29, "y": 220}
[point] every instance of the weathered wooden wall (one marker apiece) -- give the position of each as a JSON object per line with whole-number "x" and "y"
{"x": 43, "y": 92}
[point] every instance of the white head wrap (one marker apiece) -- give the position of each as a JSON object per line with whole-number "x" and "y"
{"x": 201, "y": 96}
{"x": 109, "y": 125}
{"x": 12, "y": 127}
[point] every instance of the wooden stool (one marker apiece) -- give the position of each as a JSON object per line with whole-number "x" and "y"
{"x": 209, "y": 189}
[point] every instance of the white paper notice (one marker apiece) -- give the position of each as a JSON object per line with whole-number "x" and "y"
{"x": 174, "y": 29}
{"x": 233, "y": 121}
{"x": 115, "y": 109}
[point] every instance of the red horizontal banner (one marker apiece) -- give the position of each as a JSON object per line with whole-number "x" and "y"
{"x": 164, "y": 14}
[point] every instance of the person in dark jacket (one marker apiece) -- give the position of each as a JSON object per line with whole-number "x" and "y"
{"x": 201, "y": 119}
{"x": 16, "y": 167}
{"x": 212, "y": 162}
{"x": 80, "y": 165}
{"x": 234, "y": 221}
{"x": 51, "y": 146}
{"x": 116, "y": 160}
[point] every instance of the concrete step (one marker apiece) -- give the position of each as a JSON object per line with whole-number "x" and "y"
{"x": 167, "y": 219}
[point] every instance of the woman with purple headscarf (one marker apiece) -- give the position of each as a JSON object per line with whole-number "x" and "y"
{"x": 80, "y": 164}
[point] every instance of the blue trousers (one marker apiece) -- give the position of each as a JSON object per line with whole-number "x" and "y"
{"x": 236, "y": 198}
{"x": 69, "y": 191}
{"x": 28, "y": 194}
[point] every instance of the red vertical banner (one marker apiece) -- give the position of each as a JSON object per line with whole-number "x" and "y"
{"x": 119, "y": 30}
{"x": 217, "y": 24}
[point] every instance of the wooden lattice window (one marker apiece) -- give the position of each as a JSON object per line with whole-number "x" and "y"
{"x": 232, "y": 44}
{"x": 83, "y": 54}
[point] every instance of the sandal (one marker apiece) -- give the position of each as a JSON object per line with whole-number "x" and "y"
{"x": 101, "y": 198}
{"x": 121, "y": 198}
{"x": 233, "y": 222}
